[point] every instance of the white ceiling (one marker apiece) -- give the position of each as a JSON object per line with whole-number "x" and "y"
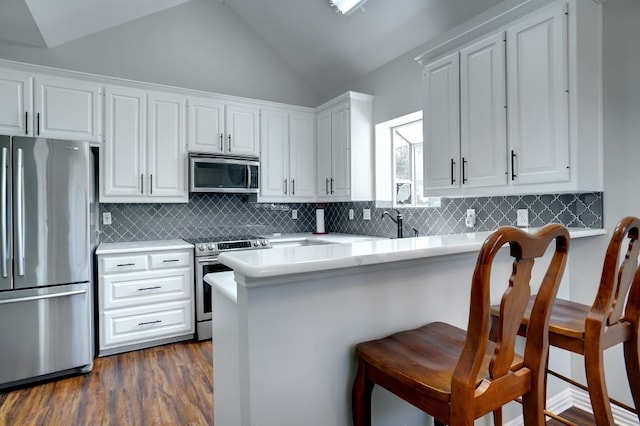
{"x": 327, "y": 50}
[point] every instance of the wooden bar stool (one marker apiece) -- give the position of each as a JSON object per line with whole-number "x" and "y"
{"x": 589, "y": 330}
{"x": 458, "y": 376}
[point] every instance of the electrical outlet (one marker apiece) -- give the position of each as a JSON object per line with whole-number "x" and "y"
{"x": 294, "y": 214}
{"x": 523, "y": 218}
{"x": 106, "y": 218}
{"x": 470, "y": 220}
{"x": 350, "y": 214}
{"x": 366, "y": 214}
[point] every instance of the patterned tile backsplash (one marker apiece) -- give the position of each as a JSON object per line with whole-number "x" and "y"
{"x": 214, "y": 215}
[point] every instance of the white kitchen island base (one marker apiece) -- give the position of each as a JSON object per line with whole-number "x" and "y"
{"x": 284, "y": 346}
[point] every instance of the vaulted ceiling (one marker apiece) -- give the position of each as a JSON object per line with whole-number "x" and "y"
{"x": 326, "y": 49}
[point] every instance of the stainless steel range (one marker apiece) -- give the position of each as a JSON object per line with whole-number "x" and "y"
{"x": 206, "y": 260}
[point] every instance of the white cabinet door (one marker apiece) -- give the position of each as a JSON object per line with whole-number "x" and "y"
{"x": 274, "y": 156}
{"x": 242, "y": 126}
{"x": 340, "y": 182}
{"x": 205, "y": 129}
{"x": 323, "y": 144}
{"x": 301, "y": 155}
{"x": 67, "y": 109}
{"x": 441, "y": 123}
{"x": 537, "y": 88}
{"x": 166, "y": 147}
{"x": 16, "y": 105}
{"x": 123, "y": 154}
{"x": 483, "y": 125}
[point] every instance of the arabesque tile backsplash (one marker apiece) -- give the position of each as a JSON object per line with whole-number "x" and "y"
{"x": 213, "y": 215}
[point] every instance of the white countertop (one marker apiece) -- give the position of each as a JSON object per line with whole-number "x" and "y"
{"x": 320, "y": 238}
{"x": 138, "y": 246}
{"x": 294, "y": 260}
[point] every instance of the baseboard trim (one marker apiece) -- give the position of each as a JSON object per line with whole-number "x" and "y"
{"x": 580, "y": 399}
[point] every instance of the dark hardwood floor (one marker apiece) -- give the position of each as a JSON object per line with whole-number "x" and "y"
{"x": 165, "y": 385}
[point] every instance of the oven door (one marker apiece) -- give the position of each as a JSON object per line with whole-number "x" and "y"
{"x": 205, "y": 265}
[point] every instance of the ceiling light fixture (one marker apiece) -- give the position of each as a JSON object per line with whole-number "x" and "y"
{"x": 346, "y": 7}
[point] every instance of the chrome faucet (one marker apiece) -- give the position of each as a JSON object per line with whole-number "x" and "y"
{"x": 397, "y": 220}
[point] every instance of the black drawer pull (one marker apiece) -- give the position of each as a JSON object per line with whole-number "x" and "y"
{"x": 150, "y": 288}
{"x": 170, "y": 260}
{"x": 125, "y": 264}
{"x": 150, "y": 322}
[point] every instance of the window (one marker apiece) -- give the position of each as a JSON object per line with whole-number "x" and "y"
{"x": 408, "y": 173}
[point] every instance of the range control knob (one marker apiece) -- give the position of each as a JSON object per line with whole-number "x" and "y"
{"x": 201, "y": 247}
{"x": 255, "y": 243}
{"x": 264, "y": 243}
{"x": 210, "y": 246}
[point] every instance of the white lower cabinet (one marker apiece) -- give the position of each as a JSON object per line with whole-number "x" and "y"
{"x": 145, "y": 295}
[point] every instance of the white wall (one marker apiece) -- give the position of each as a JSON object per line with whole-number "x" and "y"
{"x": 201, "y": 45}
{"x": 621, "y": 92}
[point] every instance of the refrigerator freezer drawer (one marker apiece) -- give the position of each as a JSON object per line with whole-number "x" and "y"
{"x": 44, "y": 331}
{"x": 145, "y": 323}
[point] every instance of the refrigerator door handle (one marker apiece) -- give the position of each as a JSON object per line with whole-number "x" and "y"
{"x": 44, "y": 296}
{"x": 3, "y": 214}
{"x": 20, "y": 212}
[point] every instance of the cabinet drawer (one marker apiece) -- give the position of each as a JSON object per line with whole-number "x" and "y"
{"x": 147, "y": 323}
{"x": 122, "y": 290}
{"x": 124, "y": 264}
{"x": 171, "y": 259}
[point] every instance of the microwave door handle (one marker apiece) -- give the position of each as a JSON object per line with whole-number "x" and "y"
{"x": 248, "y": 176}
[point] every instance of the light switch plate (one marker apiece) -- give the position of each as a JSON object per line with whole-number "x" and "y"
{"x": 106, "y": 218}
{"x": 294, "y": 214}
{"x": 350, "y": 214}
{"x": 366, "y": 214}
{"x": 523, "y": 218}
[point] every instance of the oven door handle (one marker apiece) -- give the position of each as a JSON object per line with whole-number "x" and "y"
{"x": 208, "y": 259}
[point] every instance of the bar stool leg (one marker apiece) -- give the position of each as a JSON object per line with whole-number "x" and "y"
{"x": 361, "y": 396}
{"x": 594, "y": 367}
{"x": 632, "y": 361}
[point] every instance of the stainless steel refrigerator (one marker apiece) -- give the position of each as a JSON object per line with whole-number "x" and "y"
{"x": 46, "y": 325}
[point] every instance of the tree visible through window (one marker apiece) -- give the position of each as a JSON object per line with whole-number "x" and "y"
{"x": 408, "y": 173}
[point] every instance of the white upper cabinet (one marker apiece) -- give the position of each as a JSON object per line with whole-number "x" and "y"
{"x": 242, "y": 125}
{"x": 287, "y": 156}
{"x": 205, "y": 131}
{"x": 124, "y": 152}
{"x": 67, "y": 109}
{"x": 530, "y": 118}
{"x": 302, "y": 155}
{"x": 274, "y": 156}
{"x": 483, "y": 125}
{"x": 345, "y": 149}
{"x": 441, "y": 122}
{"x": 16, "y": 107}
{"x": 215, "y": 127}
{"x": 166, "y": 148}
{"x": 538, "y": 97}
{"x": 144, "y": 154}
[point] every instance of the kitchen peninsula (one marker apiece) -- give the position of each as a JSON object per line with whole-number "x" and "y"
{"x": 286, "y": 321}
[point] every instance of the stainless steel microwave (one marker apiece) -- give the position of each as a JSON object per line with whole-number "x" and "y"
{"x": 209, "y": 173}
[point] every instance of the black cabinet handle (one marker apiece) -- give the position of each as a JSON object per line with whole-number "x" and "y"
{"x": 293, "y": 187}
{"x": 464, "y": 174}
{"x": 453, "y": 180}
{"x": 221, "y": 142}
{"x": 125, "y": 264}
{"x": 26, "y": 122}
{"x": 150, "y": 322}
{"x": 170, "y": 260}
{"x": 229, "y": 143}
{"x": 513, "y": 165}
{"x": 142, "y": 184}
{"x": 151, "y": 184}
{"x": 284, "y": 187}
{"x": 38, "y": 120}
{"x": 150, "y": 288}
{"x": 331, "y": 181}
